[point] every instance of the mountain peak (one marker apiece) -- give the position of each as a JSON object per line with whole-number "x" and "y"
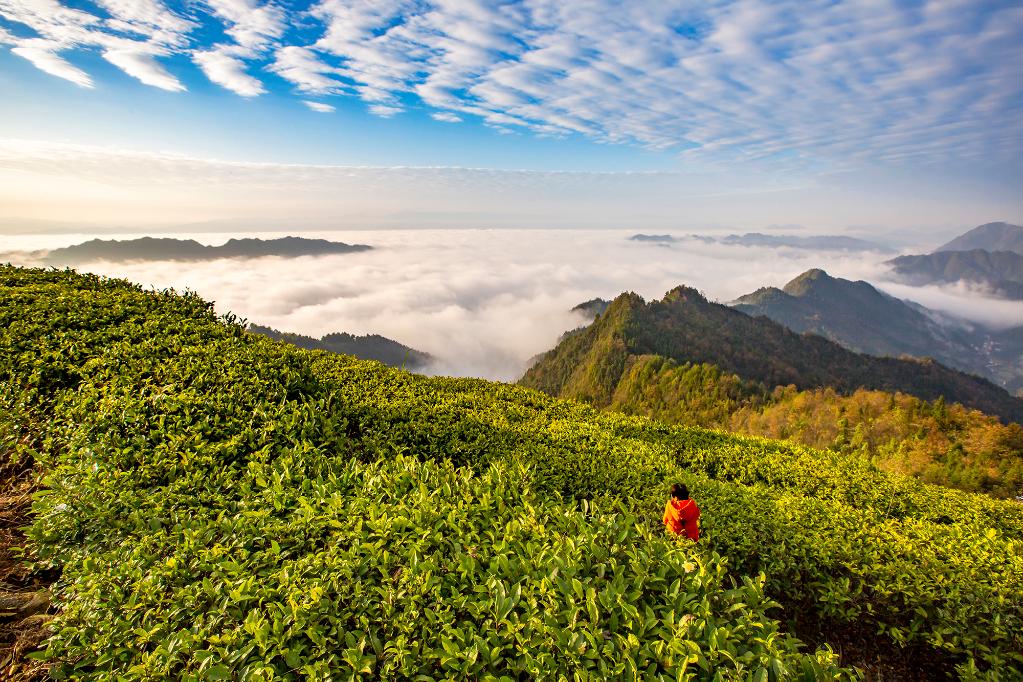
{"x": 684, "y": 294}
{"x": 816, "y": 273}
{"x": 807, "y": 281}
{"x": 997, "y": 236}
{"x": 684, "y": 327}
{"x": 761, "y": 296}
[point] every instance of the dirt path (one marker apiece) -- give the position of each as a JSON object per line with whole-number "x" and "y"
{"x": 24, "y": 595}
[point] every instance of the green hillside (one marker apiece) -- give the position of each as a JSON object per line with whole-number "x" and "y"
{"x": 943, "y": 444}
{"x": 687, "y": 328}
{"x": 894, "y": 421}
{"x": 222, "y": 506}
{"x": 863, "y": 319}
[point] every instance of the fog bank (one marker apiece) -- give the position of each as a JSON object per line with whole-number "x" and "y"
{"x": 483, "y": 302}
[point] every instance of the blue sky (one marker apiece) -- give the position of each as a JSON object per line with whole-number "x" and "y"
{"x": 822, "y": 113}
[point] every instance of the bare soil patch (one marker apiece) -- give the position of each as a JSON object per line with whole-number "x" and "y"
{"x": 25, "y": 607}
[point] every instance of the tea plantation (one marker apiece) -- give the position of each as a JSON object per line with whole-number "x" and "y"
{"x": 222, "y": 506}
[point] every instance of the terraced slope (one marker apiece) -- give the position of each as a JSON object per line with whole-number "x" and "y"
{"x": 223, "y": 506}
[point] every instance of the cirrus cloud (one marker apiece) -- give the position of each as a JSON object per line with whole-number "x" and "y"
{"x": 144, "y": 67}
{"x": 225, "y": 66}
{"x": 43, "y": 55}
{"x": 786, "y": 82}
{"x": 319, "y": 107}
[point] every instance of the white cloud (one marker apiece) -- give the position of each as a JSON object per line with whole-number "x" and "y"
{"x": 482, "y": 301}
{"x": 49, "y": 18}
{"x": 787, "y": 83}
{"x": 726, "y": 80}
{"x": 964, "y": 300}
{"x": 302, "y": 67}
{"x": 252, "y": 24}
{"x": 320, "y": 107}
{"x": 144, "y": 67}
{"x": 255, "y": 27}
{"x": 138, "y": 31}
{"x": 446, "y": 117}
{"x": 223, "y": 66}
{"x": 43, "y": 55}
{"x": 385, "y": 110}
{"x": 65, "y": 29}
{"x": 149, "y": 18}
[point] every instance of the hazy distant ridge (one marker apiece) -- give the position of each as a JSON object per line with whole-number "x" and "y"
{"x": 657, "y": 238}
{"x": 824, "y": 242}
{"x": 864, "y": 319}
{"x": 999, "y": 271}
{"x": 990, "y": 237}
{"x": 166, "y": 248}
{"x": 989, "y": 255}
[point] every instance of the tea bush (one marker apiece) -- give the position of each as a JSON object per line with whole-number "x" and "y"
{"x": 226, "y": 507}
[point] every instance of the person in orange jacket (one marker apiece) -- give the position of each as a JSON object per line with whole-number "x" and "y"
{"x": 681, "y": 515}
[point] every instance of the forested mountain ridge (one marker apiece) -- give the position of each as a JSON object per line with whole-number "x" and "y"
{"x": 368, "y": 347}
{"x": 898, "y": 427}
{"x": 864, "y": 319}
{"x": 687, "y": 328}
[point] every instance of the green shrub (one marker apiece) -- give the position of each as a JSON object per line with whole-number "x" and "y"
{"x": 223, "y": 506}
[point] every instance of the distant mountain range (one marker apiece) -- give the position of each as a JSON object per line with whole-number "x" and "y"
{"x": 863, "y": 319}
{"x": 165, "y": 248}
{"x": 1001, "y": 272}
{"x": 819, "y": 242}
{"x": 658, "y": 238}
{"x": 815, "y": 242}
{"x": 370, "y": 347}
{"x": 684, "y": 327}
{"x": 989, "y": 256}
{"x": 990, "y": 237}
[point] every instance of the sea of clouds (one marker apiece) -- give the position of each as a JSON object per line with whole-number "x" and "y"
{"x": 484, "y": 302}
